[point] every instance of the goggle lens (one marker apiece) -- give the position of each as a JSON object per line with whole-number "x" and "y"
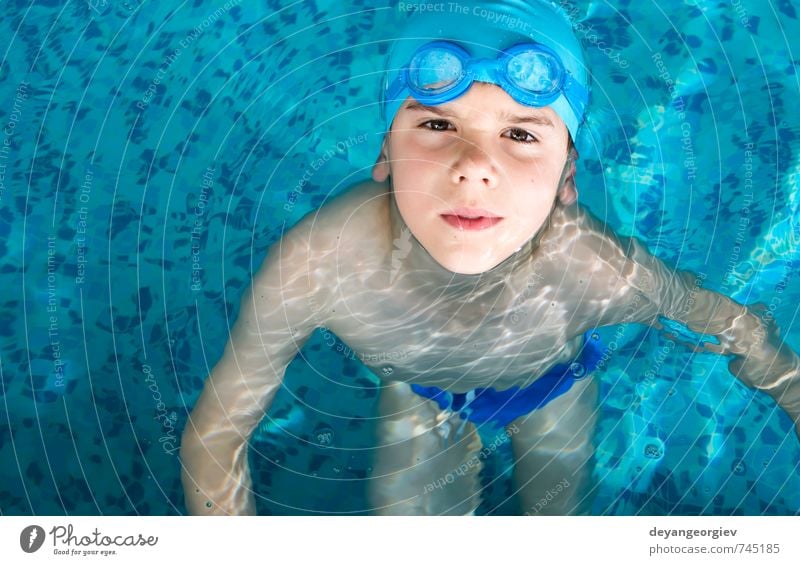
{"x": 435, "y": 70}
{"x": 536, "y": 72}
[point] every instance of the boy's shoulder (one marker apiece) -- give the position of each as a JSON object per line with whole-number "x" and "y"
{"x": 345, "y": 234}
{"x": 354, "y": 219}
{"x": 361, "y": 200}
{"x": 361, "y": 207}
{"x": 576, "y": 228}
{"x": 617, "y": 261}
{"x": 593, "y": 244}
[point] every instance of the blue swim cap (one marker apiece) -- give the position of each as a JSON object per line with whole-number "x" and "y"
{"x": 485, "y": 29}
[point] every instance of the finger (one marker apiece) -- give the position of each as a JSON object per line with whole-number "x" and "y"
{"x": 691, "y": 346}
{"x": 714, "y": 347}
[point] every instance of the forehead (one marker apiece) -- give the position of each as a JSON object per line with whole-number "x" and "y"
{"x": 488, "y": 101}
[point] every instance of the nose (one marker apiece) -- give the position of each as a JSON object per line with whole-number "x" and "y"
{"x": 474, "y": 166}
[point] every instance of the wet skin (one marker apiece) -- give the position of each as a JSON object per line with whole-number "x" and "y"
{"x": 414, "y": 312}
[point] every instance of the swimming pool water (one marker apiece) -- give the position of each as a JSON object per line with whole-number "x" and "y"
{"x": 154, "y": 150}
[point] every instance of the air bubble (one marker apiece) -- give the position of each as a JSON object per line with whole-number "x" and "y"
{"x": 653, "y": 451}
{"x": 324, "y": 435}
{"x": 577, "y": 369}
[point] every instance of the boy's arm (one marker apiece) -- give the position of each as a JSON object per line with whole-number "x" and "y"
{"x": 278, "y": 313}
{"x": 648, "y": 288}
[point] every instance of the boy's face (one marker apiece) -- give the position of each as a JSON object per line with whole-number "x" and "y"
{"x": 482, "y": 155}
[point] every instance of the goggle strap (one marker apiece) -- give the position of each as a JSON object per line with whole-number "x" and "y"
{"x": 577, "y": 96}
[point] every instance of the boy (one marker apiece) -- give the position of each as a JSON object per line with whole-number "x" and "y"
{"x": 467, "y": 278}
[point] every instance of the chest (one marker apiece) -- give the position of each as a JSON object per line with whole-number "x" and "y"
{"x": 499, "y": 339}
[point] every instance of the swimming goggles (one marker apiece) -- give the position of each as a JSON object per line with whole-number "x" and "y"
{"x": 531, "y": 73}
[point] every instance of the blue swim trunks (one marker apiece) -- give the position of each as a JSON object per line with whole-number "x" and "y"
{"x": 502, "y": 407}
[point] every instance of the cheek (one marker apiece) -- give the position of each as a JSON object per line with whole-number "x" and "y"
{"x": 413, "y": 204}
{"x": 409, "y": 163}
{"x": 531, "y": 206}
{"x": 535, "y": 193}
{"x": 414, "y": 176}
{"x": 543, "y": 184}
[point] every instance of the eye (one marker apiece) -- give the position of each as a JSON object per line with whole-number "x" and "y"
{"x": 522, "y": 136}
{"x": 436, "y": 125}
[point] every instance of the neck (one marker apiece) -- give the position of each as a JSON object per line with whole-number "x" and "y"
{"x": 425, "y": 270}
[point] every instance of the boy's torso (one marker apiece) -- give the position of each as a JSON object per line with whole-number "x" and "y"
{"x": 406, "y": 326}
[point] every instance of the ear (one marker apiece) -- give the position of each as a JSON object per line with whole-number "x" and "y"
{"x": 568, "y": 192}
{"x": 381, "y": 169}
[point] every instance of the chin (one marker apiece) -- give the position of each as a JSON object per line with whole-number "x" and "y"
{"x": 465, "y": 264}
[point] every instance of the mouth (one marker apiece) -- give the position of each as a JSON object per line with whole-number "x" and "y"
{"x": 471, "y": 218}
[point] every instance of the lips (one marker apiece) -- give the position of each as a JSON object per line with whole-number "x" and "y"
{"x": 471, "y": 218}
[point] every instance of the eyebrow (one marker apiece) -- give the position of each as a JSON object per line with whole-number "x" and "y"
{"x": 503, "y": 116}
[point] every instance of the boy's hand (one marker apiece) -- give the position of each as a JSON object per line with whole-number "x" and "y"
{"x": 749, "y": 333}
{"x": 761, "y": 359}
{"x": 772, "y": 366}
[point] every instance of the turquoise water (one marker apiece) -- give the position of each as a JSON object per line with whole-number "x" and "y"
{"x": 152, "y": 152}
